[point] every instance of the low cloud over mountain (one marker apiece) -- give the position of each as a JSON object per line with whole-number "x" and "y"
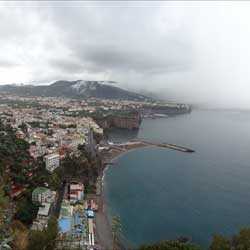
{"x": 188, "y": 51}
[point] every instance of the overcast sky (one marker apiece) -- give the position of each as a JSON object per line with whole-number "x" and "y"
{"x": 196, "y": 52}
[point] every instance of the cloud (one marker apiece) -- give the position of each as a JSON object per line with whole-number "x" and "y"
{"x": 187, "y": 51}
{"x": 7, "y": 63}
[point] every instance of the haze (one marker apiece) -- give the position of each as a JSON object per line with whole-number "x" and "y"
{"x": 195, "y": 52}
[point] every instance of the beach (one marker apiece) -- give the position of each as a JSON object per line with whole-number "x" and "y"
{"x": 103, "y": 222}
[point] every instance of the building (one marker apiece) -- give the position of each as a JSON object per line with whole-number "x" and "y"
{"x": 38, "y": 225}
{"x": 90, "y": 213}
{"x": 76, "y": 141}
{"x": 42, "y": 217}
{"x": 91, "y": 144}
{"x": 17, "y": 190}
{"x": 44, "y": 211}
{"x": 76, "y": 191}
{"x": 36, "y": 152}
{"x": 52, "y": 161}
{"x": 46, "y": 198}
{"x": 42, "y": 194}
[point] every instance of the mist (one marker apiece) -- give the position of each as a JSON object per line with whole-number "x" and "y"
{"x": 195, "y": 52}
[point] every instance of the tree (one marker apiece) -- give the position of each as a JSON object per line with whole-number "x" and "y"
{"x": 5, "y": 237}
{"x": 26, "y": 211}
{"x": 243, "y": 240}
{"x": 170, "y": 245}
{"x": 51, "y": 233}
{"x": 237, "y": 242}
{"x": 45, "y": 239}
{"x": 37, "y": 240}
{"x": 220, "y": 243}
{"x": 3, "y": 201}
{"x": 116, "y": 230}
{"x": 54, "y": 180}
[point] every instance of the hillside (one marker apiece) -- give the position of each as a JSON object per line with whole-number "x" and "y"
{"x": 73, "y": 89}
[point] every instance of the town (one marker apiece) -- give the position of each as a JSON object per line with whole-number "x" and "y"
{"x": 67, "y": 152}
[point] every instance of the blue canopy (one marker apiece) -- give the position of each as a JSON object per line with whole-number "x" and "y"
{"x": 90, "y": 213}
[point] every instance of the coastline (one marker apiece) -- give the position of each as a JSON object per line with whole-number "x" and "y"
{"x": 103, "y": 219}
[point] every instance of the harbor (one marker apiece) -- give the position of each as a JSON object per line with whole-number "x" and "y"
{"x": 113, "y": 150}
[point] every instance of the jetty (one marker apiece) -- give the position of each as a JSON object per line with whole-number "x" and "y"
{"x": 172, "y": 146}
{"x": 116, "y": 149}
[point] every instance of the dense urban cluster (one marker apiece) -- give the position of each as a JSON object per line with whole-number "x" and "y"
{"x": 49, "y": 163}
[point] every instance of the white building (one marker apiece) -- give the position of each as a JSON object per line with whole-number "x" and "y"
{"x": 44, "y": 211}
{"x": 42, "y": 194}
{"x": 52, "y": 161}
{"x": 76, "y": 191}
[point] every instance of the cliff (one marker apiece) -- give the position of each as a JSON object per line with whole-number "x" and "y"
{"x": 127, "y": 120}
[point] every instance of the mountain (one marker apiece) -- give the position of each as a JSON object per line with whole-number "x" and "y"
{"x": 73, "y": 89}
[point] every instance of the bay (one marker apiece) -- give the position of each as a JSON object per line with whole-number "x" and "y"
{"x": 163, "y": 194}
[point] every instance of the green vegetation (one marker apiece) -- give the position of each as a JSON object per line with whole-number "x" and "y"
{"x": 237, "y": 242}
{"x": 45, "y": 239}
{"x": 116, "y": 230}
{"x": 6, "y": 236}
{"x": 3, "y": 203}
{"x": 26, "y": 211}
{"x": 20, "y": 233}
{"x": 219, "y": 242}
{"x": 14, "y": 155}
{"x": 82, "y": 167}
{"x": 170, "y": 245}
{"x": 15, "y": 166}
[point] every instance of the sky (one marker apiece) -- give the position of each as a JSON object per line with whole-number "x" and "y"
{"x": 195, "y": 52}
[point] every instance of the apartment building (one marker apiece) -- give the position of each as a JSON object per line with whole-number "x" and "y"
{"x": 52, "y": 161}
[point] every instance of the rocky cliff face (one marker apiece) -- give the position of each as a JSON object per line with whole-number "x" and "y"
{"x": 124, "y": 121}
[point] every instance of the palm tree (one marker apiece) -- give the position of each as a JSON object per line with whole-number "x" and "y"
{"x": 116, "y": 230}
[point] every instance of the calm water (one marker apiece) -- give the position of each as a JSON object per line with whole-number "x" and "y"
{"x": 163, "y": 194}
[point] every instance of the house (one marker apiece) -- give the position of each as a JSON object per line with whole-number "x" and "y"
{"x": 17, "y": 190}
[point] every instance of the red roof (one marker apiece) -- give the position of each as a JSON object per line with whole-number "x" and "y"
{"x": 73, "y": 192}
{"x": 16, "y": 190}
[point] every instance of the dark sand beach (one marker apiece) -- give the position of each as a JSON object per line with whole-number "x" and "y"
{"x": 103, "y": 222}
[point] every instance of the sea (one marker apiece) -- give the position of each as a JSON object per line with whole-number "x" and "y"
{"x": 163, "y": 194}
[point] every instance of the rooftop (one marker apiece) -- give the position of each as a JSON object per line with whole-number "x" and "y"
{"x": 44, "y": 209}
{"x": 39, "y": 190}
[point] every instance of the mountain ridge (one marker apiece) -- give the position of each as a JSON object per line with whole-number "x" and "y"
{"x": 74, "y": 89}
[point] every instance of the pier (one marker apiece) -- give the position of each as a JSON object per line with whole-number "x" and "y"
{"x": 172, "y": 146}
{"x": 116, "y": 149}
{"x": 142, "y": 143}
